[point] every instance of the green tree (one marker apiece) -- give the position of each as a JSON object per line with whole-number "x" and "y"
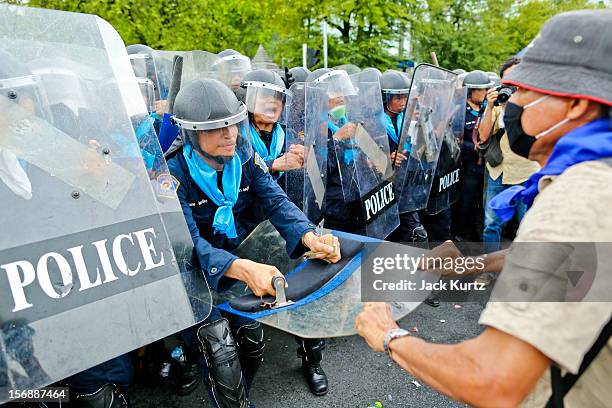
{"x": 467, "y": 34}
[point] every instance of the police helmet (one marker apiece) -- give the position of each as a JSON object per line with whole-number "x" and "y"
{"x": 206, "y": 105}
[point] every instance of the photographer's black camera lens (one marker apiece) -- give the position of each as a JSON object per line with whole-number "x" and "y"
{"x": 504, "y": 93}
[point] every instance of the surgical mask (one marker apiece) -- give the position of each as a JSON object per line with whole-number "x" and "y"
{"x": 521, "y": 142}
{"x": 338, "y": 113}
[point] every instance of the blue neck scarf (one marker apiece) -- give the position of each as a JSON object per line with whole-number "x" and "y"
{"x": 331, "y": 125}
{"x": 592, "y": 141}
{"x": 276, "y": 145}
{"x": 206, "y": 178}
{"x": 393, "y": 135}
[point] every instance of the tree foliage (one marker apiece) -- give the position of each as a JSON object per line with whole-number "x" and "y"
{"x": 467, "y": 34}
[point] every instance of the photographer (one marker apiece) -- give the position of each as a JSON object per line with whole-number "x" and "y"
{"x": 503, "y": 167}
{"x": 553, "y": 352}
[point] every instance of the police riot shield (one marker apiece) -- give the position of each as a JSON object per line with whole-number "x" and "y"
{"x": 95, "y": 255}
{"x": 362, "y": 154}
{"x": 445, "y": 186}
{"x": 200, "y": 65}
{"x": 145, "y": 69}
{"x": 425, "y": 121}
{"x": 306, "y": 115}
{"x": 164, "y": 63}
{"x": 330, "y": 309}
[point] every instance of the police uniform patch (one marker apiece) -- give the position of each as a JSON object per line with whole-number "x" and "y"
{"x": 168, "y": 185}
{"x": 259, "y": 162}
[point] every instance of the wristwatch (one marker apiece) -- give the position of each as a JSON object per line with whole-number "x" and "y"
{"x": 392, "y": 335}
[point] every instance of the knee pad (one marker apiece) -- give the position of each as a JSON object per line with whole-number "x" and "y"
{"x": 250, "y": 340}
{"x": 225, "y": 373}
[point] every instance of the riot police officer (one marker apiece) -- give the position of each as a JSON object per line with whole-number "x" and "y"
{"x": 468, "y": 212}
{"x": 265, "y": 99}
{"x": 395, "y": 88}
{"x": 143, "y": 64}
{"x": 219, "y": 180}
{"x": 336, "y": 216}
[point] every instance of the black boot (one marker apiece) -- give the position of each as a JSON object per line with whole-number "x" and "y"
{"x": 186, "y": 373}
{"x": 432, "y": 300}
{"x": 311, "y": 351}
{"x": 109, "y": 396}
{"x": 224, "y": 371}
{"x": 250, "y": 339}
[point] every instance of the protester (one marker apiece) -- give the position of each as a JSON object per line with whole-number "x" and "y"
{"x": 559, "y": 117}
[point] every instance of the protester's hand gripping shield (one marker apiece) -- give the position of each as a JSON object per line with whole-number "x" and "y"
{"x": 307, "y": 130}
{"x": 445, "y": 186}
{"x": 362, "y": 154}
{"x": 425, "y": 120}
{"x": 96, "y": 257}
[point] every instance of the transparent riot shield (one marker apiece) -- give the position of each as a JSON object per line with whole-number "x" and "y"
{"x": 445, "y": 186}
{"x": 95, "y": 256}
{"x": 201, "y": 65}
{"x": 332, "y": 309}
{"x": 306, "y": 115}
{"x": 425, "y": 121}
{"x": 145, "y": 69}
{"x": 164, "y": 63}
{"x": 362, "y": 154}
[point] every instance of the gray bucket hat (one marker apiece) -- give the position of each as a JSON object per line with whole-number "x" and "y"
{"x": 571, "y": 57}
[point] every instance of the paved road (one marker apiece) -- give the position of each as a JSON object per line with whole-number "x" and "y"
{"x": 358, "y": 377}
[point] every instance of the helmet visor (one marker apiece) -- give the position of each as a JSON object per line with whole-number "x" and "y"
{"x": 147, "y": 89}
{"x": 339, "y": 84}
{"x": 266, "y": 101}
{"x": 218, "y": 145}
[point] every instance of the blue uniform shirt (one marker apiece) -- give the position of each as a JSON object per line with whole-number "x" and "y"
{"x": 256, "y": 186}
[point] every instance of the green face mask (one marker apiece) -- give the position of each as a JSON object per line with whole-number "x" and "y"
{"x": 339, "y": 112}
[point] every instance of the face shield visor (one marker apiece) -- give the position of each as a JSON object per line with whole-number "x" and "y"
{"x": 338, "y": 83}
{"x": 232, "y": 68}
{"x": 395, "y": 100}
{"x": 143, "y": 66}
{"x": 219, "y": 140}
{"x": 266, "y": 101}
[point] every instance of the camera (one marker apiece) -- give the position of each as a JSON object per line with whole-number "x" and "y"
{"x": 504, "y": 93}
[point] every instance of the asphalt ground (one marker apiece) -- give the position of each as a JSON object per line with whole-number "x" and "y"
{"x": 357, "y": 376}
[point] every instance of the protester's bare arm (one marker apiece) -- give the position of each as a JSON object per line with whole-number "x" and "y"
{"x": 494, "y": 369}
{"x": 470, "y": 265}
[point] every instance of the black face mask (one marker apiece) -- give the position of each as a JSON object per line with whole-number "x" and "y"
{"x": 520, "y": 142}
